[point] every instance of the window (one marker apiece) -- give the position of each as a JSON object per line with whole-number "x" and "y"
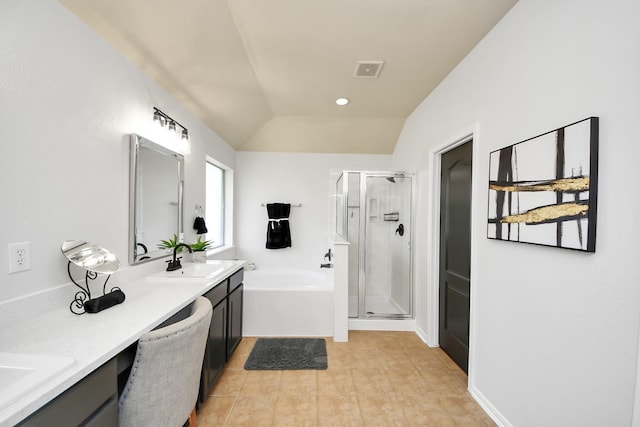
{"x": 217, "y": 210}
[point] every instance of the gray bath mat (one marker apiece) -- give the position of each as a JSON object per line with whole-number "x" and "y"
{"x": 287, "y": 354}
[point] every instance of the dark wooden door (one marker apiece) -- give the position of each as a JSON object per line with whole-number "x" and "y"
{"x": 455, "y": 253}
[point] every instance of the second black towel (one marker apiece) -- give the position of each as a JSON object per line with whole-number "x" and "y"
{"x": 278, "y": 231}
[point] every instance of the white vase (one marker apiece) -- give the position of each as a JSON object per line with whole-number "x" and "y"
{"x": 200, "y": 256}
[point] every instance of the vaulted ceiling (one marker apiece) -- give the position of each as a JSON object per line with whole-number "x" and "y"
{"x": 265, "y": 74}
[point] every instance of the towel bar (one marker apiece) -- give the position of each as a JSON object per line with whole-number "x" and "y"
{"x": 299, "y": 205}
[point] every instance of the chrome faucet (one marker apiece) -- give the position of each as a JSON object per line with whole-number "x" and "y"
{"x": 328, "y": 265}
{"x": 175, "y": 263}
{"x": 329, "y": 255}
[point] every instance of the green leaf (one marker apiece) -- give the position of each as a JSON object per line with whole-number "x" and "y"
{"x": 168, "y": 244}
{"x": 201, "y": 245}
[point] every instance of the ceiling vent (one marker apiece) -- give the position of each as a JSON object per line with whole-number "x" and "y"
{"x": 368, "y": 69}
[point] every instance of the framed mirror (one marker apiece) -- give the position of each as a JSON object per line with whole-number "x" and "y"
{"x": 155, "y": 198}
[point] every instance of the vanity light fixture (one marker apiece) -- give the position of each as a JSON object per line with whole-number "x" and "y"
{"x": 342, "y": 101}
{"x": 173, "y": 125}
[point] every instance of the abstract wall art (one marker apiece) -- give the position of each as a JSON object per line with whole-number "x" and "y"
{"x": 544, "y": 190}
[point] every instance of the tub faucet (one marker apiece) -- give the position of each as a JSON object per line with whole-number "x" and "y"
{"x": 175, "y": 263}
{"x": 328, "y": 265}
{"x": 328, "y": 255}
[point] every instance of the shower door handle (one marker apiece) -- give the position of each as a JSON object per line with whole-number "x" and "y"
{"x": 400, "y": 230}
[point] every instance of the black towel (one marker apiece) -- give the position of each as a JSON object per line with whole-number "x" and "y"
{"x": 200, "y": 226}
{"x": 278, "y": 232}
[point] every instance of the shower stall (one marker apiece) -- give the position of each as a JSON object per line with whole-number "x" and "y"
{"x": 374, "y": 213}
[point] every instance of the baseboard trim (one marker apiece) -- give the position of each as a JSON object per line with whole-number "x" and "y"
{"x": 488, "y": 407}
{"x": 382, "y": 325}
{"x": 425, "y": 337}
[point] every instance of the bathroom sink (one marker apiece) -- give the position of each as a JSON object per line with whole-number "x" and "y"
{"x": 193, "y": 271}
{"x": 22, "y": 373}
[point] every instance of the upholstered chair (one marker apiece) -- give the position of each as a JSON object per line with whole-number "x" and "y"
{"x": 162, "y": 388}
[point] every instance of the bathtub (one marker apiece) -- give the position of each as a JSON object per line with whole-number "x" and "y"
{"x": 287, "y": 303}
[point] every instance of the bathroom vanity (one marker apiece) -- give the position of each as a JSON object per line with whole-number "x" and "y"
{"x": 225, "y": 332}
{"x": 102, "y": 345}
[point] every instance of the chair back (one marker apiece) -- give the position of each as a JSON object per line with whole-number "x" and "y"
{"x": 162, "y": 388}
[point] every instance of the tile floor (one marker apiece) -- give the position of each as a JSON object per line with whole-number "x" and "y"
{"x": 376, "y": 379}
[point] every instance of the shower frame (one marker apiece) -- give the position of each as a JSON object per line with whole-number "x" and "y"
{"x": 362, "y": 238}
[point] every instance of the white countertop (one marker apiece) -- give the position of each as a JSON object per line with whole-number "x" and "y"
{"x": 44, "y": 325}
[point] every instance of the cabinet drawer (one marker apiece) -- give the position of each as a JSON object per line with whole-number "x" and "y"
{"x": 218, "y": 293}
{"x": 106, "y": 416}
{"x": 76, "y": 405}
{"x": 236, "y": 279}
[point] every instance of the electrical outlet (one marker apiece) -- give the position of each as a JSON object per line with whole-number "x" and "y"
{"x": 19, "y": 257}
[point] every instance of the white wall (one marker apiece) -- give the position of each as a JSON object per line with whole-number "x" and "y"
{"x": 555, "y": 331}
{"x": 291, "y": 178}
{"x": 68, "y": 102}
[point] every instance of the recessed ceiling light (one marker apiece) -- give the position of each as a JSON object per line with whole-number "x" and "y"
{"x": 342, "y": 101}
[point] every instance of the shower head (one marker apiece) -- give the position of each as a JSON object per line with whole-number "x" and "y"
{"x": 391, "y": 179}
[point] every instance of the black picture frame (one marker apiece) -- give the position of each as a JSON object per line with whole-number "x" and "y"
{"x": 544, "y": 190}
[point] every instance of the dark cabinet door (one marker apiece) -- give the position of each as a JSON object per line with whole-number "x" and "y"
{"x": 235, "y": 320}
{"x": 225, "y": 332}
{"x": 216, "y": 350}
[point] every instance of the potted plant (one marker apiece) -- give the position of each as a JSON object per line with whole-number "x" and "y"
{"x": 199, "y": 249}
{"x": 169, "y": 244}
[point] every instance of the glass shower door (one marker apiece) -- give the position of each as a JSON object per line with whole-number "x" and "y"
{"x": 352, "y": 221}
{"x": 385, "y": 286}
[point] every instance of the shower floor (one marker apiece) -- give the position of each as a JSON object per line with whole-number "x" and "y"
{"x": 375, "y": 305}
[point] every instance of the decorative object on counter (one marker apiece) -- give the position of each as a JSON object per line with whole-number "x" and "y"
{"x": 287, "y": 354}
{"x": 94, "y": 260}
{"x": 198, "y": 224}
{"x": 199, "y": 249}
{"x": 278, "y": 231}
{"x": 544, "y": 190}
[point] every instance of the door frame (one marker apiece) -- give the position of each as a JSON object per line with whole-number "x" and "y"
{"x": 433, "y": 237}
